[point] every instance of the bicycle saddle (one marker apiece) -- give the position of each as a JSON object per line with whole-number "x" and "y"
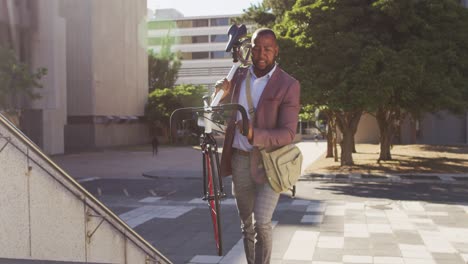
{"x": 235, "y": 33}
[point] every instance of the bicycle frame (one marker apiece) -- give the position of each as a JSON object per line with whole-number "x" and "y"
{"x": 213, "y": 188}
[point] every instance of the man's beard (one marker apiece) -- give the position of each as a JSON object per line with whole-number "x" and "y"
{"x": 266, "y": 70}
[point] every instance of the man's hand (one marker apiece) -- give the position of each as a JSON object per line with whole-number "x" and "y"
{"x": 223, "y": 84}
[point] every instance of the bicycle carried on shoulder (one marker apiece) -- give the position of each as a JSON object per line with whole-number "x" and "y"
{"x": 213, "y": 188}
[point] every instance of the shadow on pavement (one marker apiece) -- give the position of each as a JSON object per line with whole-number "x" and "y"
{"x": 440, "y": 193}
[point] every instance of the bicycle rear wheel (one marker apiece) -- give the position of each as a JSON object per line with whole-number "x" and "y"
{"x": 214, "y": 195}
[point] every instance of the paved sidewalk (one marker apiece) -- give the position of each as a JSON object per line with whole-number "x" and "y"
{"x": 335, "y": 219}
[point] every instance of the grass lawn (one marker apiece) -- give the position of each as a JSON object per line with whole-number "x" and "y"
{"x": 406, "y": 159}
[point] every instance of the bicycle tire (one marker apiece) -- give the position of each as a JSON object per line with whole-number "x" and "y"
{"x": 214, "y": 199}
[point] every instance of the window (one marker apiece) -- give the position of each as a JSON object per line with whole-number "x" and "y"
{"x": 223, "y": 21}
{"x": 195, "y": 55}
{"x": 200, "y": 55}
{"x": 199, "y": 39}
{"x": 186, "y": 40}
{"x": 184, "y": 23}
{"x": 200, "y": 23}
{"x": 220, "y": 55}
{"x": 219, "y": 38}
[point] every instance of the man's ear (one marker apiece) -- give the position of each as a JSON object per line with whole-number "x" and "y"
{"x": 277, "y": 57}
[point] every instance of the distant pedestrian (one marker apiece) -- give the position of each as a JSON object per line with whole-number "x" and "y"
{"x": 155, "y": 144}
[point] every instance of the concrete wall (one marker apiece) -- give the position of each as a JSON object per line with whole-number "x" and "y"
{"x": 443, "y": 128}
{"x": 36, "y": 32}
{"x": 95, "y": 53}
{"x": 79, "y": 54}
{"x": 120, "y": 61}
{"x": 48, "y": 50}
{"x": 368, "y": 130}
{"x": 95, "y": 136}
{"x": 107, "y": 72}
{"x": 46, "y": 215}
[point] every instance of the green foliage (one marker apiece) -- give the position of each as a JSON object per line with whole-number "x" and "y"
{"x": 393, "y": 56}
{"x": 267, "y": 13}
{"x": 162, "y": 102}
{"x": 307, "y": 113}
{"x": 260, "y": 14}
{"x": 279, "y": 7}
{"x": 16, "y": 80}
{"x": 163, "y": 67}
{"x": 161, "y": 24}
{"x": 362, "y": 54}
{"x": 314, "y": 115}
{"x": 330, "y": 51}
{"x": 158, "y": 41}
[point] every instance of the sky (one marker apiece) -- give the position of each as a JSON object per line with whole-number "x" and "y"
{"x": 203, "y": 7}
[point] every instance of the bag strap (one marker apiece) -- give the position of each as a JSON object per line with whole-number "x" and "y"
{"x": 248, "y": 93}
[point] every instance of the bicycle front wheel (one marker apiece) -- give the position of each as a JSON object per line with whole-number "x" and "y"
{"x": 214, "y": 196}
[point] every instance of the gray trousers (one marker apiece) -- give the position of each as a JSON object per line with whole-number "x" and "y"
{"x": 256, "y": 204}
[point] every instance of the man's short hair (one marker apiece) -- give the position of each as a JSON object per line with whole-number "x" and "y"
{"x": 263, "y": 32}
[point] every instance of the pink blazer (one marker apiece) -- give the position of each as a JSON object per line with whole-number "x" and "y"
{"x": 276, "y": 119}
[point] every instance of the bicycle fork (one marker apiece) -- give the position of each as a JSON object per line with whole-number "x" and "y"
{"x": 211, "y": 168}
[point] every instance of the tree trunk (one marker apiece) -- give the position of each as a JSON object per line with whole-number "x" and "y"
{"x": 387, "y": 121}
{"x": 331, "y": 134}
{"x": 347, "y": 148}
{"x": 385, "y": 145}
{"x": 348, "y": 122}
{"x": 354, "y": 144}
{"x": 335, "y": 148}
{"x": 329, "y": 140}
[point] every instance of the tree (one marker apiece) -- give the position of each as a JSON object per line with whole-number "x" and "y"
{"x": 422, "y": 61}
{"x": 162, "y": 102}
{"x": 17, "y": 82}
{"x": 260, "y": 14}
{"x": 331, "y": 54}
{"x": 163, "y": 67}
{"x": 279, "y": 7}
{"x": 267, "y": 13}
{"x": 388, "y": 57}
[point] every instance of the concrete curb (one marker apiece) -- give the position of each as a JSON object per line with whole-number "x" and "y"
{"x": 388, "y": 178}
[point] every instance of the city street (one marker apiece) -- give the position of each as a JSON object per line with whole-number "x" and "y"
{"x": 328, "y": 221}
{"x": 336, "y": 222}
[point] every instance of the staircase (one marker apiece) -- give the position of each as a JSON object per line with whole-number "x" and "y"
{"x": 47, "y": 217}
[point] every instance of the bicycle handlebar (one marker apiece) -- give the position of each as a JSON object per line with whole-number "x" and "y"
{"x": 215, "y": 109}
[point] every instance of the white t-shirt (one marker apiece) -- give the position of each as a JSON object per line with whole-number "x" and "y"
{"x": 257, "y": 85}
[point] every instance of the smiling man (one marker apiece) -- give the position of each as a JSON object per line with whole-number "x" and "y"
{"x": 274, "y": 95}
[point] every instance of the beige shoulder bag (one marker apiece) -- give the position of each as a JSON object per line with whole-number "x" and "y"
{"x": 282, "y": 165}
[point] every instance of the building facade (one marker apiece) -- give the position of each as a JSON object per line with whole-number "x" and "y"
{"x": 94, "y": 93}
{"x": 200, "y": 40}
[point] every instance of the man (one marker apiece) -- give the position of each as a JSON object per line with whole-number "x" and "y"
{"x": 275, "y": 97}
{"x": 155, "y": 145}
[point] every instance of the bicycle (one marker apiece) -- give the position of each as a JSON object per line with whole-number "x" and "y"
{"x": 213, "y": 188}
